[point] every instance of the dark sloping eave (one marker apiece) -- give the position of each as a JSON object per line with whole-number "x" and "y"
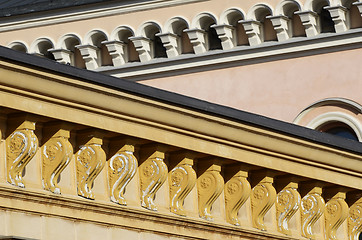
{"x": 181, "y": 100}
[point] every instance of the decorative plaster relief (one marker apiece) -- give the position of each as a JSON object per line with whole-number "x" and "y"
{"x": 90, "y": 160}
{"x": 287, "y": 204}
{"x": 312, "y": 208}
{"x": 143, "y": 47}
{"x": 116, "y": 50}
{"x": 237, "y": 191}
{"x": 252, "y": 30}
{"x": 197, "y": 39}
{"x": 335, "y": 214}
{"x": 182, "y": 180}
{"x": 121, "y": 170}
{"x": 56, "y": 155}
{"x": 309, "y": 20}
{"x": 153, "y": 174}
{"x": 355, "y": 220}
{"x": 209, "y": 185}
{"x": 338, "y": 14}
{"x": 262, "y": 197}
{"x": 21, "y": 147}
{"x": 226, "y": 34}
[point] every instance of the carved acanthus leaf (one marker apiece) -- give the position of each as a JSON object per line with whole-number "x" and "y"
{"x": 335, "y": 213}
{"x": 56, "y": 155}
{"x": 21, "y": 147}
{"x": 182, "y": 179}
{"x": 153, "y": 174}
{"x": 263, "y": 197}
{"x": 287, "y": 204}
{"x": 355, "y": 220}
{"x": 237, "y": 191}
{"x": 121, "y": 170}
{"x": 90, "y": 160}
{"x": 312, "y": 208}
{"x": 209, "y": 185}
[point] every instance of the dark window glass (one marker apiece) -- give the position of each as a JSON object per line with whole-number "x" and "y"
{"x": 342, "y": 132}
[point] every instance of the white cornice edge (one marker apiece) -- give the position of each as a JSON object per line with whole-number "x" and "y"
{"x": 37, "y": 20}
{"x": 241, "y": 55}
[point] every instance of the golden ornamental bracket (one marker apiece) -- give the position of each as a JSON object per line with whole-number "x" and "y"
{"x": 21, "y": 146}
{"x": 209, "y": 185}
{"x": 312, "y": 208}
{"x": 90, "y": 160}
{"x": 336, "y": 212}
{"x": 121, "y": 169}
{"x": 355, "y": 220}
{"x": 56, "y": 155}
{"x": 287, "y": 204}
{"x": 153, "y": 174}
{"x": 262, "y": 197}
{"x": 236, "y": 191}
{"x": 182, "y": 180}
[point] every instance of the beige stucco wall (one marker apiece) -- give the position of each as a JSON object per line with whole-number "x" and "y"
{"x": 277, "y": 89}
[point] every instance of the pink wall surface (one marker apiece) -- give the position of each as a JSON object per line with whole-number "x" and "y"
{"x": 277, "y": 89}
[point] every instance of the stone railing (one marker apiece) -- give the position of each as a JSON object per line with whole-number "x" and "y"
{"x": 118, "y": 159}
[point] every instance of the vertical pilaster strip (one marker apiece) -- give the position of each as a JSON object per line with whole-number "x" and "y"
{"x": 56, "y": 155}
{"x": 21, "y": 146}
{"x": 209, "y": 185}
{"x": 336, "y": 213}
{"x": 237, "y": 191}
{"x": 182, "y": 180}
{"x": 312, "y": 208}
{"x": 355, "y": 220}
{"x": 121, "y": 169}
{"x": 153, "y": 174}
{"x": 90, "y": 160}
{"x": 287, "y": 204}
{"x": 263, "y": 197}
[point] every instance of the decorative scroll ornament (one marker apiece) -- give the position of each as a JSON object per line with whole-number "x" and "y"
{"x": 210, "y": 185}
{"x": 262, "y": 197}
{"x": 90, "y": 160}
{"x": 56, "y": 155}
{"x": 237, "y": 191}
{"x": 312, "y": 208}
{"x": 287, "y": 204}
{"x": 121, "y": 170}
{"x": 182, "y": 179}
{"x": 21, "y": 147}
{"x": 153, "y": 173}
{"x": 335, "y": 214}
{"x": 355, "y": 220}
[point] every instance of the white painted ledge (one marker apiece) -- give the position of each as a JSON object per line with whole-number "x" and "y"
{"x": 240, "y": 55}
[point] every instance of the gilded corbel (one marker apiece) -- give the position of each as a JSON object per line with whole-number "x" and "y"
{"x": 56, "y": 155}
{"x": 355, "y": 220}
{"x": 121, "y": 169}
{"x": 182, "y": 179}
{"x": 90, "y": 160}
{"x": 336, "y": 212}
{"x": 209, "y": 185}
{"x": 153, "y": 174}
{"x": 21, "y": 146}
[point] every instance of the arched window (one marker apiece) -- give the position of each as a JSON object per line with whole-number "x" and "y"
{"x": 339, "y": 129}
{"x": 214, "y": 40}
{"x": 326, "y": 22}
{"x": 158, "y": 48}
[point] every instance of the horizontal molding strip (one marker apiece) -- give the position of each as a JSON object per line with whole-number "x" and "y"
{"x": 241, "y": 55}
{"x": 37, "y": 20}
